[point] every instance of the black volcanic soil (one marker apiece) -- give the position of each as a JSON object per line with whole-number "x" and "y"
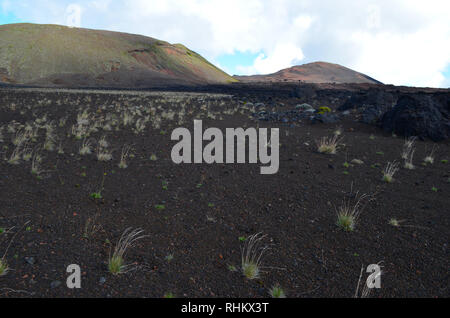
{"x": 209, "y": 207}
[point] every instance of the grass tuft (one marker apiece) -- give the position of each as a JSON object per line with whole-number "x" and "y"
{"x": 116, "y": 262}
{"x": 328, "y": 145}
{"x": 3, "y": 267}
{"x": 277, "y": 292}
{"x": 85, "y": 148}
{"x": 124, "y": 156}
{"x": 429, "y": 158}
{"x": 350, "y": 210}
{"x": 252, "y": 253}
{"x": 394, "y": 222}
{"x": 389, "y": 171}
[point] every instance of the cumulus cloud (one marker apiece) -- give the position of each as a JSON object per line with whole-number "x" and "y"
{"x": 403, "y": 42}
{"x": 282, "y": 56}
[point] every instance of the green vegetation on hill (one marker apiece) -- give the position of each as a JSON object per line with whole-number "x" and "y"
{"x": 53, "y": 54}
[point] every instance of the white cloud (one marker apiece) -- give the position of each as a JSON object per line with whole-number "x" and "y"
{"x": 6, "y": 6}
{"x": 282, "y": 56}
{"x": 395, "y": 41}
{"x": 73, "y": 15}
{"x": 373, "y": 17}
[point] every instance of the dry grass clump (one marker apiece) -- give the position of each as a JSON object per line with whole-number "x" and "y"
{"x": 277, "y": 292}
{"x": 103, "y": 154}
{"x": 394, "y": 222}
{"x": 18, "y": 138}
{"x": 35, "y": 165}
{"x": 338, "y": 131}
{"x": 4, "y": 268}
{"x": 124, "y": 157}
{"x": 49, "y": 143}
{"x": 408, "y": 152}
{"x": 27, "y": 154}
{"x": 407, "y": 146}
{"x": 429, "y": 158}
{"x": 251, "y": 255}
{"x": 15, "y": 157}
{"x": 389, "y": 171}
{"x": 79, "y": 131}
{"x": 103, "y": 143}
{"x": 365, "y": 291}
{"x": 85, "y": 148}
{"x": 328, "y": 145}
{"x": 116, "y": 262}
{"x": 350, "y": 209}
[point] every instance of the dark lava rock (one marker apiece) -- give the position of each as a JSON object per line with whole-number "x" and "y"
{"x": 371, "y": 115}
{"x": 372, "y": 104}
{"x": 326, "y": 118}
{"x": 30, "y": 260}
{"x": 420, "y": 115}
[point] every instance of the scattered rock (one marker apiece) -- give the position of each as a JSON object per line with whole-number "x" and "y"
{"x": 30, "y": 260}
{"x": 55, "y": 284}
{"x": 326, "y": 118}
{"x": 371, "y": 115}
{"x": 357, "y": 161}
{"x": 305, "y": 107}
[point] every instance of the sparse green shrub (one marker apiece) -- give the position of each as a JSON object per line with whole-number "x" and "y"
{"x": 232, "y": 268}
{"x": 322, "y": 110}
{"x": 96, "y": 195}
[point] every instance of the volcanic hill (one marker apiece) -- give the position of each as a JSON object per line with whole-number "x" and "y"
{"x": 54, "y": 55}
{"x": 318, "y": 72}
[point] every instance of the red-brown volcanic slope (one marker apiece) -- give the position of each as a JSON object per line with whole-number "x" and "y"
{"x": 318, "y": 72}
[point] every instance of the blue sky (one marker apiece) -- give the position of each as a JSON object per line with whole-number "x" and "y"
{"x": 401, "y": 42}
{"x": 230, "y": 63}
{"x": 8, "y": 17}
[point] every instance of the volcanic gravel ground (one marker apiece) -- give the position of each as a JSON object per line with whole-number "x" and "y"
{"x": 208, "y": 208}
